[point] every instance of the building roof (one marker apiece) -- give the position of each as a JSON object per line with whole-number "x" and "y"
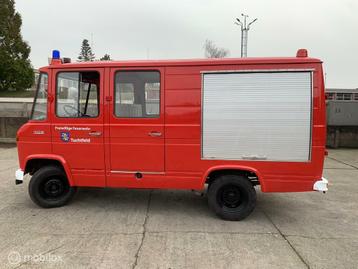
{"x": 342, "y": 90}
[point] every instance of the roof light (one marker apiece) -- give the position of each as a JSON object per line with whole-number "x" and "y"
{"x": 66, "y": 60}
{"x": 301, "y": 53}
{"x": 56, "y": 54}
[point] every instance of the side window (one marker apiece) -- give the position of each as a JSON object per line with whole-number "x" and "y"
{"x": 137, "y": 94}
{"x": 39, "y": 109}
{"x": 77, "y": 94}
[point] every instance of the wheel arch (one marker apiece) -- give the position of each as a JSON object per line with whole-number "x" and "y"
{"x": 35, "y": 162}
{"x": 215, "y": 171}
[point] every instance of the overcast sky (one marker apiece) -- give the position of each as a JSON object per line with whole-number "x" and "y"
{"x": 160, "y": 29}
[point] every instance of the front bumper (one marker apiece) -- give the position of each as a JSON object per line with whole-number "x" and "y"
{"x": 321, "y": 185}
{"x": 19, "y": 176}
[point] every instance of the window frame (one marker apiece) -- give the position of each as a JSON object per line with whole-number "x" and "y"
{"x": 36, "y": 97}
{"x": 158, "y": 116}
{"x": 98, "y": 94}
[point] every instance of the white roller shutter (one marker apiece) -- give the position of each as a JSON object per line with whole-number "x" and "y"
{"x": 262, "y": 115}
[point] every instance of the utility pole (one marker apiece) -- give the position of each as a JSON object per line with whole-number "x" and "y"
{"x": 244, "y": 32}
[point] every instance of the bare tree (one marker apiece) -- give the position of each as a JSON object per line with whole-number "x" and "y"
{"x": 212, "y": 51}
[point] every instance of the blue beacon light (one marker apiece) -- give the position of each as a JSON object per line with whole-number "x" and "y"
{"x": 55, "y": 54}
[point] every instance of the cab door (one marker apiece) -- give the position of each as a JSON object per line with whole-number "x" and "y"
{"x": 136, "y": 124}
{"x": 77, "y": 124}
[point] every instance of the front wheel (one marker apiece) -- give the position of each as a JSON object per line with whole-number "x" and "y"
{"x": 232, "y": 197}
{"x": 49, "y": 187}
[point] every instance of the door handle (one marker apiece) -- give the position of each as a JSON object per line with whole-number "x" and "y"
{"x": 95, "y": 133}
{"x": 254, "y": 157}
{"x": 155, "y": 134}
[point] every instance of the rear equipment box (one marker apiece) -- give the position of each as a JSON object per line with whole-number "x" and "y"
{"x": 257, "y": 115}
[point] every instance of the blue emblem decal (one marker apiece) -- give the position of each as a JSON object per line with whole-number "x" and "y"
{"x": 65, "y": 136}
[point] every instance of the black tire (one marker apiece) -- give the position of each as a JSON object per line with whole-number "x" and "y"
{"x": 232, "y": 197}
{"x": 49, "y": 187}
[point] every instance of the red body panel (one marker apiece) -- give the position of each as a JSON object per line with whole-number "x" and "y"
{"x": 172, "y": 160}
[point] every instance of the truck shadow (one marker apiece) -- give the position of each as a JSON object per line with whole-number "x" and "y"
{"x": 129, "y": 198}
{"x": 169, "y": 203}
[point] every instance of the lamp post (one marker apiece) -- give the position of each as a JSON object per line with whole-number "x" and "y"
{"x": 244, "y": 32}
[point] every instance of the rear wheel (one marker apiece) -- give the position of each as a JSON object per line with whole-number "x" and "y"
{"x": 232, "y": 197}
{"x": 49, "y": 187}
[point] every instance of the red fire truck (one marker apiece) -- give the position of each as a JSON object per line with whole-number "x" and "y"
{"x": 228, "y": 124}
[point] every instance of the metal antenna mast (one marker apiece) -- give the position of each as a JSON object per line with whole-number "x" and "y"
{"x": 244, "y": 32}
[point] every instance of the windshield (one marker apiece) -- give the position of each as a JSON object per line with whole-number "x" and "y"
{"x": 39, "y": 109}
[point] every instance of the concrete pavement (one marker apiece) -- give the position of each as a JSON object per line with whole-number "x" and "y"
{"x": 175, "y": 229}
